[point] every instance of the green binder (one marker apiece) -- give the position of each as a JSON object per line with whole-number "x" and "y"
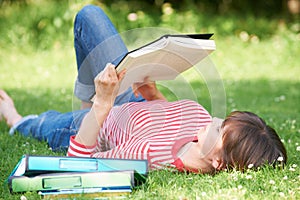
{"x": 72, "y": 180}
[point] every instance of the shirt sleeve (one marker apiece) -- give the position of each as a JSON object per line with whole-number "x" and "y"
{"x": 80, "y": 150}
{"x": 119, "y": 152}
{"x": 125, "y": 150}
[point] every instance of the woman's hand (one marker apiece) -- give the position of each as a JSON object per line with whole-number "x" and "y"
{"x": 107, "y": 85}
{"x": 148, "y": 90}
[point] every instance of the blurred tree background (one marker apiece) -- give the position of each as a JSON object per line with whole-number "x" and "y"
{"x": 269, "y": 8}
{"x": 48, "y": 23}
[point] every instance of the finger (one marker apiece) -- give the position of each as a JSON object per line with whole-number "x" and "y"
{"x": 146, "y": 79}
{"x": 107, "y": 69}
{"x": 135, "y": 89}
{"x": 107, "y": 75}
{"x": 2, "y": 94}
{"x": 121, "y": 74}
{"x": 99, "y": 76}
{"x": 109, "y": 65}
{"x": 136, "y": 94}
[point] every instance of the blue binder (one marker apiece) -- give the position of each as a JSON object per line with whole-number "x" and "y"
{"x": 30, "y": 165}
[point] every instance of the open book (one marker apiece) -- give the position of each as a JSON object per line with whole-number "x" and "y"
{"x": 164, "y": 58}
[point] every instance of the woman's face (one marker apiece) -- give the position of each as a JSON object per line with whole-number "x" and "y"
{"x": 210, "y": 137}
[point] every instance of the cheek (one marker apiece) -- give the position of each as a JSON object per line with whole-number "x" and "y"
{"x": 202, "y": 130}
{"x": 201, "y": 135}
{"x": 219, "y": 143}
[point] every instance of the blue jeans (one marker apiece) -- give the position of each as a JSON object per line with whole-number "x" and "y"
{"x": 96, "y": 43}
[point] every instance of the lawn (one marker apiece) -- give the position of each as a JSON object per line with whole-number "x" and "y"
{"x": 256, "y": 65}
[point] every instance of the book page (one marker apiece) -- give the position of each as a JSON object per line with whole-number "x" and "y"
{"x": 193, "y": 43}
{"x": 21, "y": 166}
{"x": 163, "y": 63}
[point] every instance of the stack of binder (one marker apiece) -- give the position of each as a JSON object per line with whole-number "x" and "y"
{"x": 63, "y": 177}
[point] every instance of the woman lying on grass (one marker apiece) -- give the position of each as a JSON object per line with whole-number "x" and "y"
{"x": 142, "y": 124}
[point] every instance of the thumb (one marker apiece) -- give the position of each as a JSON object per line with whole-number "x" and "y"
{"x": 121, "y": 74}
{"x": 135, "y": 89}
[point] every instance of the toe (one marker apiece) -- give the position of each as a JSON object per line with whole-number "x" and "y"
{"x": 3, "y": 94}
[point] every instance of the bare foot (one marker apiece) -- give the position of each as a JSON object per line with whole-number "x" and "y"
{"x": 8, "y": 109}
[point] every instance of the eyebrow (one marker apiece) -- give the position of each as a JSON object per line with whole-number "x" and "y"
{"x": 218, "y": 121}
{"x": 217, "y": 124}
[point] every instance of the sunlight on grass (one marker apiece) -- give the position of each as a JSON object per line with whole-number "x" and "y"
{"x": 38, "y": 69}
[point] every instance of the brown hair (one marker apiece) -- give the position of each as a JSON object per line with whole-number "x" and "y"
{"x": 249, "y": 142}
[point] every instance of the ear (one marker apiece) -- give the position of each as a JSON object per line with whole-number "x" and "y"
{"x": 216, "y": 163}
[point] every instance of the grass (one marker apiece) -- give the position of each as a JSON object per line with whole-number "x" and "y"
{"x": 259, "y": 69}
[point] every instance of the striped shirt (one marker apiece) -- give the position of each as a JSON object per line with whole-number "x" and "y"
{"x": 153, "y": 130}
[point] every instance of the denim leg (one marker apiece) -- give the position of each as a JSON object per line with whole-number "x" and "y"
{"x": 53, "y": 127}
{"x": 97, "y": 43}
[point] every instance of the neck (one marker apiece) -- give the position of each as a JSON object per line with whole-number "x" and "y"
{"x": 192, "y": 158}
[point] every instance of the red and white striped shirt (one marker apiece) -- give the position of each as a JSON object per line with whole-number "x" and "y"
{"x": 153, "y": 130}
